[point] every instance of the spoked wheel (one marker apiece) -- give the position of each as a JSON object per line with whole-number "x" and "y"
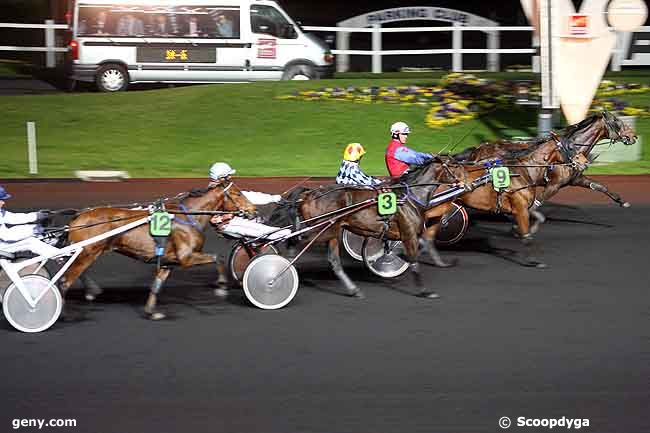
{"x": 29, "y": 270}
{"x": 383, "y": 257}
{"x": 454, "y": 226}
{"x": 25, "y": 318}
{"x": 353, "y": 244}
{"x": 240, "y": 258}
{"x": 265, "y": 287}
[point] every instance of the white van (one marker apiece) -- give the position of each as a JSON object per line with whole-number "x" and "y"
{"x": 115, "y": 43}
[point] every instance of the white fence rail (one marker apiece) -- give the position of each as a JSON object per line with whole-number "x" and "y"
{"x": 492, "y": 51}
{"x": 50, "y": 48}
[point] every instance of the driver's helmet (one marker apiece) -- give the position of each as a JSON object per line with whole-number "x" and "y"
{"x": 399, "y": 128}
{"x": 220, "y": 170}
{"x": 353, "y": 152}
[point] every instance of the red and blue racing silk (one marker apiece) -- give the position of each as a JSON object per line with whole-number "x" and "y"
{"x": 398, "y": 158}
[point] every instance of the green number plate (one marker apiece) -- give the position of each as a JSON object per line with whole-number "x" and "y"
{"x": 387, "y": 203}
{"x": 160, "y": 224}
{"x": 500, "y": 177}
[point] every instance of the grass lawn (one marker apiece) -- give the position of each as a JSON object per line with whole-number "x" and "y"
{"x": 179, "y": 132}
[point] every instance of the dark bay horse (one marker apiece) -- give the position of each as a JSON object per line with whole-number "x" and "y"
{"x": 406, "y": 225}
{"x": 580, "y": 139}
{"x": 528, "y": 168}
{"x": 184, "y": 244}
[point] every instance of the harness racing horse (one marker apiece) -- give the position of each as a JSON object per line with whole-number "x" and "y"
{"x": 528, "y": 169}
{"x": 406, "y": 225}
{"x": 184, "y": 244}
{"x": 580, "y": 139}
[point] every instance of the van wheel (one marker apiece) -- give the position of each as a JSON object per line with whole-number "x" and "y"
{"x": 299, "y": 72}
{"x": 112, "y": 78}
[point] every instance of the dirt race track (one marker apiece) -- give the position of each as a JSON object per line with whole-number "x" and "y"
{"x": 569, "y": 341}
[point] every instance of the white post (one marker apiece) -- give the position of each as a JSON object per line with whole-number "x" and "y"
{"x": 342, "y": 43}
{"x": 457, "y": 44}
{"x": 537, "y": 68}
{"x": 376, "y": 48}
{"x": 617, "y": 55}
{"x": 493, "y": 58}
{"x": 31, "y": 147}
{"x": 50, "y": 55}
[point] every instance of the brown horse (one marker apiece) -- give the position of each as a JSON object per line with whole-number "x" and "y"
{"x": 580, "y": 140}
{"x": 406, "y": 225}
{"x": 184, "y": 244}
{"x": 528, "y": 168}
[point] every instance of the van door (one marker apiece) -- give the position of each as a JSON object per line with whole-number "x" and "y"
{"x": 275, "y": 42}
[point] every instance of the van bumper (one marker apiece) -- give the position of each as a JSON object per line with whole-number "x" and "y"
{"x": 325, "y": 71}
{"x": 84, "y": 72}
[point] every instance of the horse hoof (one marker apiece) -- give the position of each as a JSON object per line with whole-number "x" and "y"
{"x": 541, "y": 265}
{"x": 156, "y": 315}
{"x": 90, "y": 297}
{"x": 358, "y": 294}
{"x": 449, "y": 264}
{"x": 626, "y": 204}
{"x": 429, "y": 295}
{"x": 220, "y": 293}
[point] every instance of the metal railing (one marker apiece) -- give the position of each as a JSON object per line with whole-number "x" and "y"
{"x": 50, "y": 49}
{"x": 492, "y": 51}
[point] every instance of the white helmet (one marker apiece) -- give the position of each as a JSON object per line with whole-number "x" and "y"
{"x": 220, "y": 170}
{"x": 400, "y": 128}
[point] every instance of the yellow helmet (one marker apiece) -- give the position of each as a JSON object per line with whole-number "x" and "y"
{"x": 353, "y": 152}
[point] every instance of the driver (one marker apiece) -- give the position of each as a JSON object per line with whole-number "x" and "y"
{"x": 398, "y": 156}
{"x": 236, "y": 225}
{"x": 350, "y": 172}
{"x": 21, "y": 231}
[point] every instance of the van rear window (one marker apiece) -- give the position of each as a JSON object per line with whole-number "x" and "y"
{"x": 214, "y": 22}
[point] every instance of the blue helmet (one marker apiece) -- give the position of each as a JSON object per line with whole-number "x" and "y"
{"x": 4, "y": 195}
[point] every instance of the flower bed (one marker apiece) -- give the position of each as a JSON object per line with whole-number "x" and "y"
{"x": 460, "y": 97}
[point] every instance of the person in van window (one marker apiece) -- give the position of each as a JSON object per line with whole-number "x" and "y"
{"x": 161, "y": 27}
{"x": 224, "y": 26}
{"x": 193, "y": 26}
{"x": 100, "y": 23}
{"x": 129, "y": 25}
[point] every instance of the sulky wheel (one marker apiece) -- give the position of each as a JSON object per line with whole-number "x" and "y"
{"x": 383, "y": 258}
{"x": 454, "y": 226}
{"x": 353, "y": 244}
{"x": 28, "y": 270}
{"x": 239, "y": 259}
{"x": 33, "y": 319}
{"x": 265, "y": 287}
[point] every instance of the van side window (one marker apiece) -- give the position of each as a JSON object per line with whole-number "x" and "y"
{"x": 269, "y": 21}
{"x": 214, "y": 22}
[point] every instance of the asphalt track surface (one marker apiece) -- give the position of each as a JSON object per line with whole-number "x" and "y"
{"x": 572, "y": 340}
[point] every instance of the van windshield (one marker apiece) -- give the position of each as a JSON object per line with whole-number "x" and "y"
{"x": 268, "y": 20}
{"x": 220, "y": 22}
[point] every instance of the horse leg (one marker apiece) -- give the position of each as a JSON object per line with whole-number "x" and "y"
{"x": 221, "y": 289}
{"x": 430, "y": 245}
{"x": 92, "y": 288}
{"x": 522, "y": 218}
{"x": 538, "y": 217}
{"x": 585, "y": 182}
{"x": 411, "y": 249}
{"x": 150, "y": 307}
{"x": 334, "y": 258}
{"x": 86, "y": 258}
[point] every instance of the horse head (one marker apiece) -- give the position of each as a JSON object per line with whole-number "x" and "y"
{"x": 234, "y": 200}
{"x": 617, "y": 130}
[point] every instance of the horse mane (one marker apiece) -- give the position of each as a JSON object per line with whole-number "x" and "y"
{"x": 571, "y": 130}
